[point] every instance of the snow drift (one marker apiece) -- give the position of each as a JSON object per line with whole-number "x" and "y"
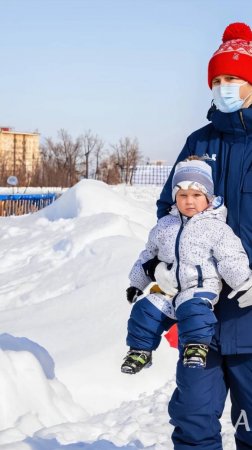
{"x": 63, "y": 275}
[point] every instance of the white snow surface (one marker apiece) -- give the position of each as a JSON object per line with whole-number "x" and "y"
{"x": 63, "y": 322}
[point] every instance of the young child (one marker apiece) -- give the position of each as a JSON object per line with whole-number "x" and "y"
{"x": 197, "y": 248}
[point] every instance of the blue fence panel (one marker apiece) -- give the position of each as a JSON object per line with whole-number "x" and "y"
{"x": 18, "y": 204}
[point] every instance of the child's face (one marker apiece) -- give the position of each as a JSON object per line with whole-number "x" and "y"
{"x": 190, "y": 202}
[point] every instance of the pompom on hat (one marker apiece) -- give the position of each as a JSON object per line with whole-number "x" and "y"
{"x": 234, "y": 56}
{"x": 193, "y": 174}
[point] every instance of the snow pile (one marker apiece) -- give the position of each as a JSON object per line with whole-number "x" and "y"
{"x": 90, "y": 197}
{"x": 63, "y": 275}
{"x": 31, "y": 396}
{"x": 38, "y": 254}
{"x": 141, "y": 424}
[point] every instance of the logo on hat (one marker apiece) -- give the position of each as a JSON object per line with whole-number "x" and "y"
{"x": 236, "y": 56}
{"x": 211, "y": 158}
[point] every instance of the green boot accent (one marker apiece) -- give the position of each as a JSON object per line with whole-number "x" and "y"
{"x": 195, "y": 355}
{"x": 136, "y": 360}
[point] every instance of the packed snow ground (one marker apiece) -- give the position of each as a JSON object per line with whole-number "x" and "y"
{"x": 63, "y": 275}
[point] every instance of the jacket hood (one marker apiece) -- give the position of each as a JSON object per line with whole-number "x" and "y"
{"x": 215, "y": 209}
{"x": 238, "y": 122}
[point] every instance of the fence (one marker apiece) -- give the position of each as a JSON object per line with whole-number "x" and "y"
{"x": 17, "y": 204}
{"x": 150, "y": 174}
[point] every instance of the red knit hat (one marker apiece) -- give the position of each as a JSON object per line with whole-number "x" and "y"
{"x": 234, "y": 56}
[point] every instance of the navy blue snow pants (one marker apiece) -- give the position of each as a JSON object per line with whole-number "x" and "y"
{"x": 196, "y": 322}
{"x": 198, "y": 402}
{"x": 196, "y": 319}
{"x": 146, "y": 326}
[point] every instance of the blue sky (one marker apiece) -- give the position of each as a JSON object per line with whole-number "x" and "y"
{"x": 134, "y": 68}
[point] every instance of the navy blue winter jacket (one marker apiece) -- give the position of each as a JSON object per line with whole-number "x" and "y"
{"x": 226, "y": 144}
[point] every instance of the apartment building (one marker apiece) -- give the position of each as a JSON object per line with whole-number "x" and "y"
{"x": 18, "y": 150}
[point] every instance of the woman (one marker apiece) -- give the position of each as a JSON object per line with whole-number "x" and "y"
{"x": 225, "y": 144}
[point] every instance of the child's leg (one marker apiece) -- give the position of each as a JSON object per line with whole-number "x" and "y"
{"x": 196, "y": 322}
{"x": 196, "y": 319}
{"x": 146, "y": 324}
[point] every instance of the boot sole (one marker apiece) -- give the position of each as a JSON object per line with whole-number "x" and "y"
{"x": 130, "y": 370}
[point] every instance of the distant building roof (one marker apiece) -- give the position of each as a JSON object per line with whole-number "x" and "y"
{"x": 12, "y": 131}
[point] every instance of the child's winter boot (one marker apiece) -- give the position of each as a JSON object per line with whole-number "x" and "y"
{"x": 136, "y": 360}
{"x": 195, "y": 355}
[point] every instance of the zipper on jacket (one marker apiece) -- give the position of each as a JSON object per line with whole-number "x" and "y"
{"x": 242, "y": 120}
{"x": 177, "y": 254}
{"x": 200, "y": 276}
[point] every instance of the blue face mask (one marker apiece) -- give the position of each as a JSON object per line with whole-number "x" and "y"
{"x": 227, "y": 98}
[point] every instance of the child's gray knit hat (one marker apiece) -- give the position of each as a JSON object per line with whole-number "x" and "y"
{"x": 193, "y": 174}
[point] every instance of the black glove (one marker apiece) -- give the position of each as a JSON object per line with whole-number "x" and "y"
{"x": 149, "y": 267}
{"x": 132, "y": 293}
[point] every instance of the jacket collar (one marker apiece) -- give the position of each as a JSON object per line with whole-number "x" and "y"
{"x": 238, "y": 122}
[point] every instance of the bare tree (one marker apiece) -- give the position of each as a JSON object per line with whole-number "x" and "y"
{"x": 128, "y": 156}
{"x": 69, "y": 152}
{"x": 59, "y": 160}
{"x": 98, "y": 154}
{"x": 109, "y": 170}
{"x": 63, "y": 162}
{"x": 91, "y": 145}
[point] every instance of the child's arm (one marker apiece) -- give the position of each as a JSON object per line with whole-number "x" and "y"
{"x": 139, "y": 277}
